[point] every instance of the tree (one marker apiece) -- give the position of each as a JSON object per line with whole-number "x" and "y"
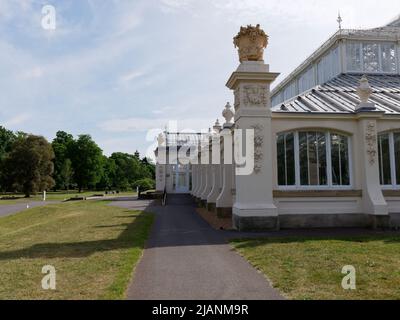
{"x": 107, "y": 178}
{"x": 62, "y": 146}
{"x": 144, "y": 184}
{"x": 86, "y": 162}
{"x": 66, "y": 174}
{"x": 7, "y": 138}
{"x": 127, "y": 170}
{"x": 29, "y": 165}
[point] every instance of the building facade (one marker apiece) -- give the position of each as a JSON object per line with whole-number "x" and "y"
{"x": 325, "y": 143}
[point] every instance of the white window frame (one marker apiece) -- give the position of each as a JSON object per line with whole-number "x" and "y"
{"x": 329, "y": 185}
{"x": 395, "y": 184}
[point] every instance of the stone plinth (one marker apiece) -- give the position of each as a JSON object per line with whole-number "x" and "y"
{"x": 254, "y": 207}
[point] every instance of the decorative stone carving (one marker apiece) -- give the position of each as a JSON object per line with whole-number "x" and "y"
{"x": 254, "y": 95}
{"x": 217, "y": 127}
{"x": 251, "y": 42}
{"x": 161, "y": 173}
{"x": 370, "y": 139}
{"x": 161, "y": 139}
{"x": 364, "y": 90}
{"x": 228, "y": 114}
{"x": 237, "y": 98}
{"x": 258, "y": 147}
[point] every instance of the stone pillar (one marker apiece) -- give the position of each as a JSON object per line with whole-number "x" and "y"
{"x": 160, "y": 177}
{"x": 215, "y": 191}
{"x": 254, "y": 207}
{"x": 200, "y": 181}
{"x": 208, "y": 175}
{"x": 224, "y": 202}
{"x": 215, "y": 170}
{"x": 194, "y": 179}
{"x": 161, "y": 161}
{"x": 374, "y": 203}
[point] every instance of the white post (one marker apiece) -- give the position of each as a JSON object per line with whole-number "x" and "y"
{"x": 374, "y": 202}
{"x": 44, "y": 195}
{"x": 254, "y": 207}
{"x": 225, "y": 199}
{"x": 194, "y": 178}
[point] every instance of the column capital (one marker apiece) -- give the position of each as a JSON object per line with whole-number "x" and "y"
{"x": 251, "y": 71}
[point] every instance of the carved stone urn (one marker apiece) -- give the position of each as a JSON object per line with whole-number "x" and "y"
{"x": 251, "y": 42}
{"x": 364, "y": 91}
{"x": 228, "y": 114}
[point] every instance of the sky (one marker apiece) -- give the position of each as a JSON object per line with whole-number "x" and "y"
{"x": 120, "y": 70}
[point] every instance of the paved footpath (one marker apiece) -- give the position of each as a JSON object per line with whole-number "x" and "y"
{"x": 186, "y": 259}
{"x": 9, "y": 209}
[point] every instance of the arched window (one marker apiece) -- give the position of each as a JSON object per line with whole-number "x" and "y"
{"x": 313, "y": 159}
{"x": 389, "y": 159}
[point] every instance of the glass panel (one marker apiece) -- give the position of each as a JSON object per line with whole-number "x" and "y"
{"x": 329, "y": 67}
{"x": 388, "y": 57}
{"x": 397, "y": 156}
{"x": 181, "y": 180}
{"x": 286, "y": 166}
{"x": 290, "y": 165}
{"x": 303, "y": 154}
{"x": 340, "y": 160}
{"x": 353, "y": 52}
{"x": 306, "y": 80}
{"x": 280, "y": 144}
{"x": 384, "y": 159}
{"x": 322, "y": 167}
{"x": 312, "y": 158}
{"x": 371, "y": 57}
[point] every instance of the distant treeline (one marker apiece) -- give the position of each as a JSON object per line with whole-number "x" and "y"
{"x": 30, "y": 164}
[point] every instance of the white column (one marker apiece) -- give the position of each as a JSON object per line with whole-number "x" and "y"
{"x": 215, "y": 167}
{"x": 374, "y": 202}
{"x": 225, "y": 199}
{"x": 254, "y": 208}
{"x": 194, "y": 178}
{"x": 215, "y": 191}
{"x": 208, "y": 182}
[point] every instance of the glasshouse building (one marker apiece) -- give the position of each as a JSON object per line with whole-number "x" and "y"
{"x": 326, "y": 139}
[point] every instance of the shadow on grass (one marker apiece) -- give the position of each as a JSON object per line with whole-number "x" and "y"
{"x": 134, "y": 235}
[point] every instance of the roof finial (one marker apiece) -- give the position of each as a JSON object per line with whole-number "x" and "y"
{"x": 364, "y": 92}
{"x": 339, "y": 21}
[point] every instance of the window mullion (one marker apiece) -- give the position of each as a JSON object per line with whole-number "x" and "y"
{"x": 350, "y": 164}
{"x": 284, "y": 145}
{"x": 392, "y": 159}
{"x": 340, "y": 161}
{"x": 308, "y": 160}
{"x": 328, "y": 158}
{"x": 297, "y": 158}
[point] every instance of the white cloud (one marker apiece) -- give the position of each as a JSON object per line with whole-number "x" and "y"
{"x": 17, "y": 120}
{"x": 34, "y": 73}
{"x": 132, "y": 75}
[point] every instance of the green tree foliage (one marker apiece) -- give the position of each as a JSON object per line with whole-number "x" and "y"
{"x": 66, "y": 174}
{"x": 29, "y": 165}
{"x": 24, "y": 166}
{"x": 7, "y": 138}
{"x": 87, "y": 162}
{"x": 62, "y": 146}
{"x": 144, "y": 184}
{"x": 108, "y": 174}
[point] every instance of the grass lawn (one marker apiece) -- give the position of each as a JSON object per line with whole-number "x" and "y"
{"x": 60, "y": 196}
{"x": 302, "y": 268}
{"x": 94, "y": 248}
